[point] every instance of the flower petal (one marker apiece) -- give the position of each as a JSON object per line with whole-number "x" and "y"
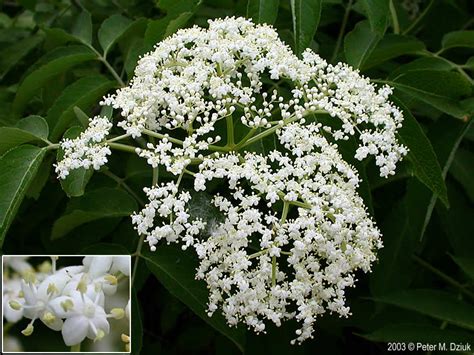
{"x": 99, "y": 265}
{"x": 75, "y": 330}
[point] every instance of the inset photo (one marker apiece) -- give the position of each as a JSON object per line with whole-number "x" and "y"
{"x": 66, "y": 303}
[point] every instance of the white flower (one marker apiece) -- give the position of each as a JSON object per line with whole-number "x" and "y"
{"x": 87, "y": 150}
{"x": 83, "y": 318}
{"x": 70, "y": 299}
{"x": 11, "y": 293}
{"x": 38, "y": 299}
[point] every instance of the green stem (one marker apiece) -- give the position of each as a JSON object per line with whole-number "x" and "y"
{"x": 342, "y": 30}
{"x": 257, "y": 254}
{"x": 180, "y": 142}
{"x": 76, "y": 348}
{"x": 284, "y": 214}
{"x": 274, "y": 270}
{"x": 122, "y": 147}
{"x": 123, "y": 136}
{"x": 443, "y": 276}
{"x": 112, "y": 71}
{"x": 162, "y": 136}
{"x": 453, "y": 65}
{"x": 137, "y": 257}
{"x": 275, "y": 128}
{"x": 230, "y": 131}
{"x": 53, "y": 146}
{"x": 393, "y": 13}
{"x": 246, "y": 138}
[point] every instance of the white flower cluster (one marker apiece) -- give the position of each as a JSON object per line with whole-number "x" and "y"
{"x": 87, "y": 150}
{"x": 199, "y": 76}
{"x": 166, "y": 203}
{"x": 293, "y": 229}
{"x": 71, "y": 299}
{"x": 261, "y": 266}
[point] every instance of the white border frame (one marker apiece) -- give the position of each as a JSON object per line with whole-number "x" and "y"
{"x": 81, "y": 352}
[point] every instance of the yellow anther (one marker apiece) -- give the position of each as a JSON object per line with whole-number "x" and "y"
{"x": 125, "y": 338}
{"x": 49, "y": 318}
{"x": 127, "y": 347}
{"x": 100, "y": 335}
{"x": 82, "y": 285}
{"x": 45, "y": 267}
{"x": 15, "y": 305}
{"x": 52, "y": 289}
{"x": 111, "y": 279}
{"x": 117, "y": 313}
{"x": 21, "y": 294}
{"x": 29, "y": 276}
{"x": 67, "y": 305}
{"x": 28, "y": 330}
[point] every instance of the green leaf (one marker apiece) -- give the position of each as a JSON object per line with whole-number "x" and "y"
{"x": 111, "y": 30}
{"x": 422, "y": 155}
{"x": 405, "y": 225}
{"x": 83, "y": 93}
{"x": 94, "y": 205}
{"x": 470, "y": 63}
{"x": 28, "y": 129}
{"x": 63, "y": 59}
{"x": 436, "y": 304}
{"x": 83, "y": 27}
{"x": 447, "y": 136}
{"x": 440, "y": 89}
{"x": 455, "y": 222}
{"x": 306, "y": 15}
{"x": 18, "y": 167}
{"x": 420, "y": 333}
{"x": 11, "y": 55}
{"x": 466, "y": 265}
{"x": 137, "y": 48}
{"x": 425, "y": 63}
{"x": 41, "y": 178}
{"x": 81, "y": 116}
{"x": 392, "y": 46}
{"x": 174, "y": 268}
{"x": 177, "y": 15}
{"x": 359, "y": 44}
{"x": 75, "y": 183}
{"x": 458, "y": 39}
{"x": 35, "y": 125}
{"x": 378, "y": 14}
{"x": 263, "y": 11}
{"x": 462, "y": 169}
